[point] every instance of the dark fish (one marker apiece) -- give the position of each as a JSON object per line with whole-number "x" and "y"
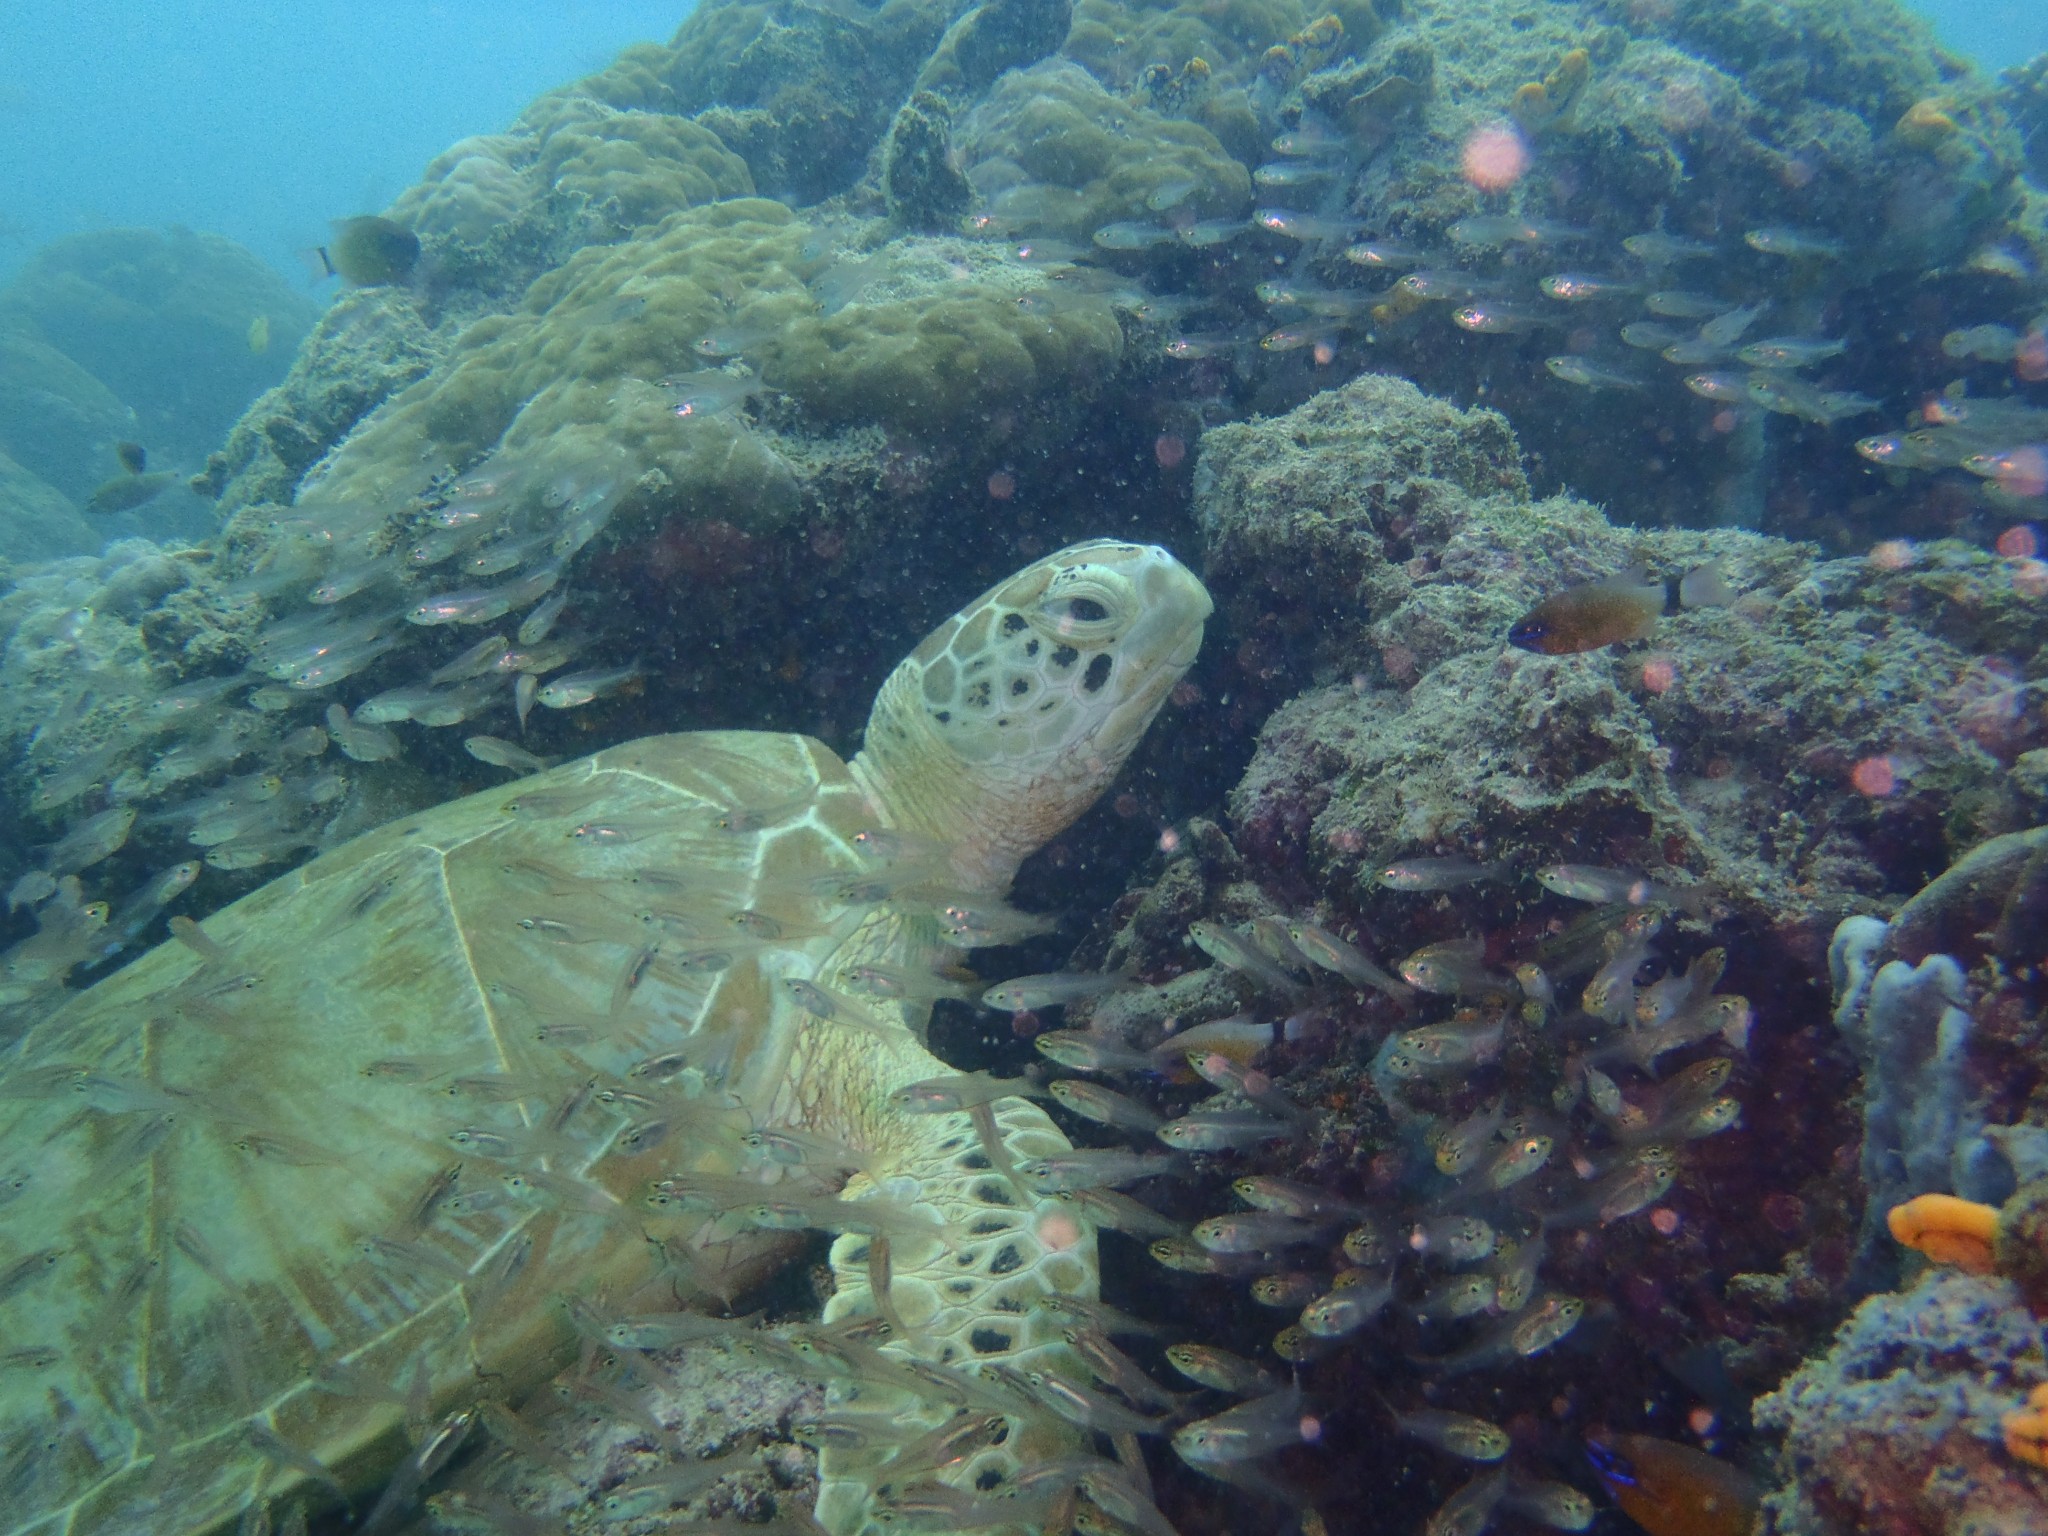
{"x": 370, "y": 250}
{"x": 124, "y": 493}
{"x": 1673, "y": 1490}
{"x": 1608, "y": 612}
{"x": 133, "y": 456}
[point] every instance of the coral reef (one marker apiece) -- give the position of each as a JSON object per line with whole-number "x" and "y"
{"x": 1910, "y": 1028}
{"x": 802, "y": 92}
{"x": 57, "y": 422}
{"x": 924, "y": 189}
{"x": 670, "y": 410}
{"x": 2025, "y": 90}
{"x": 1898, "y": 1426}
{"x": 1050, "y": 150}
{"x": 163, "y": 319}
{"x": 1382, "y": 538}
{"x": 37, "y": 522}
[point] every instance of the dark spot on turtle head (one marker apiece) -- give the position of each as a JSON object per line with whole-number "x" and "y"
{"x": 975, "y": 1161}
{"x": 1065, "y": 657}
{"x": 1097, "y": 673}
{"x": 989, "y": 1192}
{"x": 1030, "y": 647}
{"x": 1013, "y": 623}
{"x": 988, "y": 1479}
{"x": 943, "y": 716}
{"x": 1007, "y": 1258}
{"x": 1019, "y": 686}
{"x": 989, "y": 1341}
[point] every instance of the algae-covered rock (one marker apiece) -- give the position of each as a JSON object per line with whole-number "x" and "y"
{"x": 56, "y": 420}
{"x": 627, "y": 169}
{"x": 953, "y": 338}
{"x": 370, "y": 343}
{"x": 1897, "y": 1427}
{"x": 37, "y": 521}
{"x": 2025, "y": 97}
{"x": 1386, "y": 539}
{"x": 923, "y": 187}
{"x": 1052, "y": 151}
{"x": 801, "y": 91}
{"x": 1121, "y": 42}
{"x": 995, "y": 36}
{"x": 185, "y": 328}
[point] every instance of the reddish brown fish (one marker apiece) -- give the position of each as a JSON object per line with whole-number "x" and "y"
{"x": 1602, "y": 613}
{"x": 1673, "y": 1490}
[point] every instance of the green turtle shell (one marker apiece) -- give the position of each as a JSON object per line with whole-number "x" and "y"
{"x": 348, "y": 1149}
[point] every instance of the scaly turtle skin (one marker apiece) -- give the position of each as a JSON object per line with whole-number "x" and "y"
{"x": 358, "y": 1150}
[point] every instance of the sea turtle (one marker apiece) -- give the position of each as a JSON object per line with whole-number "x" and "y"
{"x": 374, "y": 1139}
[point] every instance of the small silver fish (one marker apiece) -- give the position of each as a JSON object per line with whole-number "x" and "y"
{"x": 1105, "y": 1106}
{"x": 1088, "y": 1052}
{"x": 1384, "y": 255}
{"x": 504, "y": 754}
{"x": 1229, "y": 949}
{"x": 1557, "y": 1505}
{"x": 580, "y": 688}
{"x": 1790, "y": 351}
{"x": 1054, "y": 989}
{"x": 1255, "y": 1232}
{"x": 1222, "y": 1129}
{"x": 1682, "y": 304}
{"x": 1725, "y": 330}
{"x": 1133, "y": 236}
{"x": 1793, "y": 244}
{"x": 1251, "y": 1429}
{"x": 1588, "y": 374}
{"x": 1095, "y": 1169}
{"x": 1437, "y": 874}
{"x": 1583, "y": 288}
{"x": 1304, "y": 226}
{"x": 1659, "y": 249}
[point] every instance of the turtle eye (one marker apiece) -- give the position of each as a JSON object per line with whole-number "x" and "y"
{"x": 1081, "y": 611}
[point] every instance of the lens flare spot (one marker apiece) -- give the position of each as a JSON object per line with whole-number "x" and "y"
{"x": 1002, "y": 485}
{"x": 1875, "y": 777}
{"x": 1495, "y": 157}
{"x": 2022, "y": 471}
{"x": 1170, "y": 450}
{"x": 1893, "y": 555}
{"x": 2030, "y": 578}
{"x": 2019, "y": 542}
{"x": 1059, "y": 1231}
{"x": 1665, "y": 1220}
{"x": 2030, "y": 358}
{"x": 1659, "y": 673}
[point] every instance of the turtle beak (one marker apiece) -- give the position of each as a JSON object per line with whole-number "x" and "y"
{"x": 1165, "y": 636}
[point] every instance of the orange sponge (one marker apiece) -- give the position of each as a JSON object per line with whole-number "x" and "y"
{"x": 1948, "y": 1230}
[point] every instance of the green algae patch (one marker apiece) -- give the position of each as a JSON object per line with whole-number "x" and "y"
{"x": 639, "y": 167}
{"x": 1120, "y": 42}
{"x": 576, "y": 372}
{"x": 952, "y": 339}
{"x": 1052, "y": 151}
{"x": 803, "y": 92}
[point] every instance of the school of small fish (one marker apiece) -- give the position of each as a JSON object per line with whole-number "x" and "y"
{"x": 1442, "y": 1261}
{"x": 249, "y": 769}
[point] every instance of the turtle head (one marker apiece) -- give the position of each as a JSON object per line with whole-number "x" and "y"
{"x": 1017, "y": 712}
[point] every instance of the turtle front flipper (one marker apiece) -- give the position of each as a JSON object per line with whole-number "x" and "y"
{"x": 969, "y": 1294}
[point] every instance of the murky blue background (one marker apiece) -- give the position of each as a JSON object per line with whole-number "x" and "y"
{"x": 263, "y": 121}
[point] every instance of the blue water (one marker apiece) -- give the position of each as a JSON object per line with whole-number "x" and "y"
{"x": 1996, "y": 33}
{"x": 263, "y": 121}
